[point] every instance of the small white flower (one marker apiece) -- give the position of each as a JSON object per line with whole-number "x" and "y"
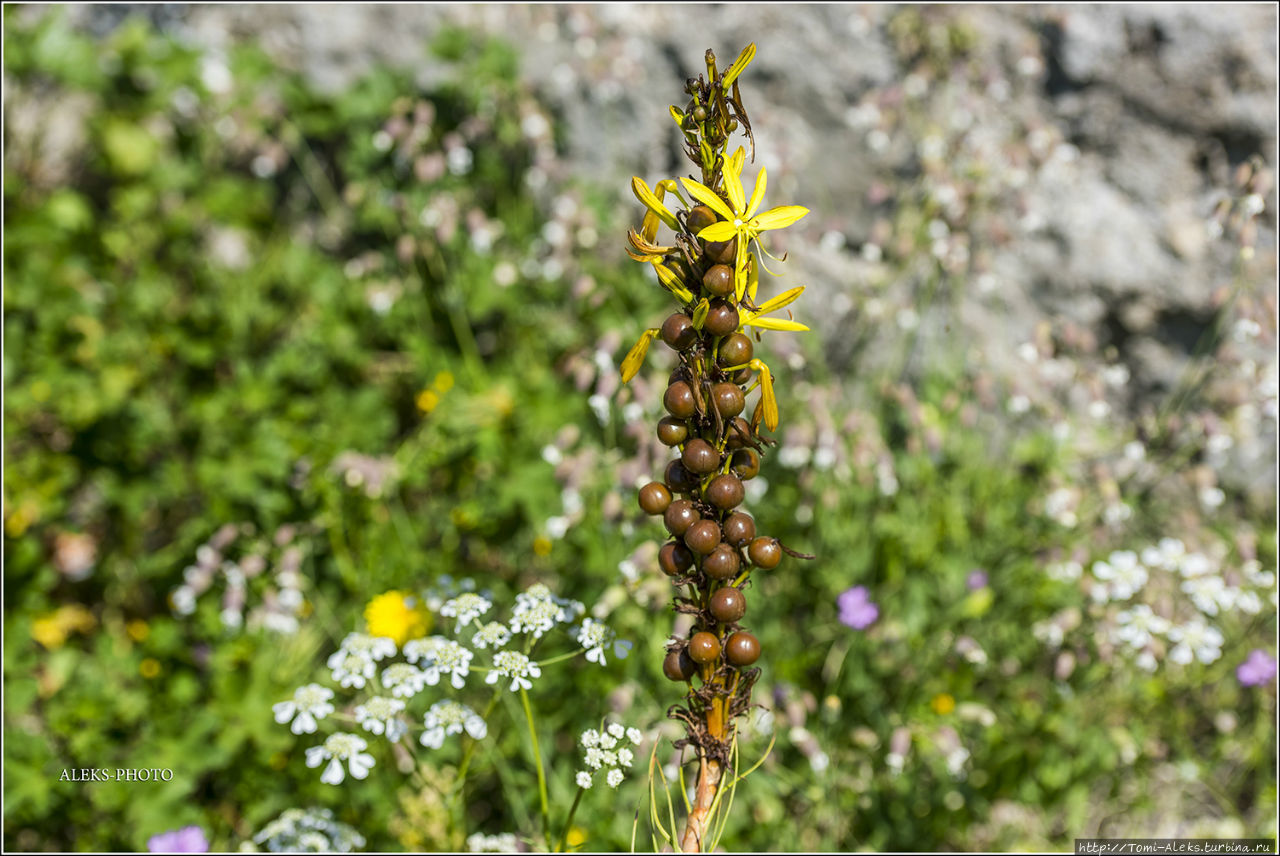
{"x": 614, "y": 778}
{"x": 514, "y": 665}
{"x": 466, "y": 607}
{"x": 1197, "y": 640}
{"x": 537, "y": 611}
{"x": 616, "y": 730}
{"x": 595, "y": 757}
{"x": 380, "y": 715}
{"x": 309, "y": 704}
{"x": 351, "y": 669}
{"x": 503, "y": 843}
{"x": 635, "y": 736}
{"x": 1210, "y": 593}
{"x": 491, "y": 635}
{"x": 422, "y": 649}
{"x": 440, "y": 656}
{"x": 625, "y": 757}
{"x": 1137, "y": 625}
{"x": 336, "y": 749}
{"x": 583, "y": 779}
{"x": 450, "y": 717}
{"x": 593, "y": 636}
{"x": 375, "y": 648}
{"x": 590, "y": 738}
{"x": 1195, "y": 565}
{"x": 404, "y": 680}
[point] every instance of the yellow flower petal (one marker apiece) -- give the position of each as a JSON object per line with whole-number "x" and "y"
{"x": 721, "y": 231}
{"x": 757, "y": 195}
{"x": 730, "y": 75}
{"x": 707, "y": 197}
{"x": 776, "y": 324}
{"x": 784, "y": 299}
{"x": 779, "y": 218}
{"x": 733, "y": 181}
{"x": 635, "y": 357}
{"x": 671, "y": 282}
{"x": 648, "y": 200}
{"x": 768, "y": 399}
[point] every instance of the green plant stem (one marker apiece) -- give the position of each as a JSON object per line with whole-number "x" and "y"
{"x": 568, "y": 824}
{"x": 537, "y": 759}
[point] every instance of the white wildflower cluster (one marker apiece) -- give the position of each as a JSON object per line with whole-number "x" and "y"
{"x": 608, "y": 751}
{"x": 388, "y": 686}
{"x": 502, "y": 843}
{"x": 594, "y": 636}
{"x": 1138, "y": 629}
{"x": 311, "y": 830}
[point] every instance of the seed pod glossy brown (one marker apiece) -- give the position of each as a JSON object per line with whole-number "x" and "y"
{"x": 704, "y": 647}
{"x": 739, "y": 528}
{"x": 742, "y": 649}
{"x": 728, "y": 399}
{"x": 674, "y": 558}
{"x": 722, "y": 563}
{"x": 725, "y": 491}
{"x": 679, "y": 401}
{"x": 678, "y": 479}
{"x": 700, "y": 457}
{"x": 679, "y": 516}
{"x": 765, "y": 553}
{"x": 677, "y": 331}
{"x": 654, "y": 498}
{"x": 740, "y": 429}
{"x": 679, "y": 666}
{"x": 746, "y": 464}
{"x": 718, "y": 280}
{"x": 728, "y": 605}
{"x": 722, "y": 319}
{"x": 703, "y": 536}
{"x": 700, "y": 217}
{"x": 672, "y": 431}
{"x": 723, "y": 252}
{"x": 735, "y": 350}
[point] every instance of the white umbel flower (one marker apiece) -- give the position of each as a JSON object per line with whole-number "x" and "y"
{"x": 381, "y": 715}
{"x": 1138, "y": 625}
{"x": 308, "y": 704}
{"x": 613, "y": 778}
{"x": 450, "y": 717}
{"x": 1195, "y": 640}
{"x": 404, "y": 680}
{"x": 583, "y": 779}
{"x": 466, "y": 607}
{"x": 336, "y": 749}
{"x": 351, "y": 669}
{"x": 514, "y": 665}
{"x": 376, "y": 648}
{"x": 492, "y": 635}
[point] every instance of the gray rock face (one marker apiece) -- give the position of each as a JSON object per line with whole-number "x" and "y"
{"x": 1043, "y": 163}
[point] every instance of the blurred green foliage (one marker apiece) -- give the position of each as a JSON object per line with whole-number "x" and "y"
{"x": 214, "y": 292}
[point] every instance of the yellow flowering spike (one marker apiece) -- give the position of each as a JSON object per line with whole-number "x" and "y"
{"x": 739, "y": 64}
{"x": 709, "y": 198}
{"x": 648, "y": 200}
{"x": 635, "y": 357}
{"x": 782, "y": 300}
{"x": 733, "y": 180}
{"x": 775, "y": 324}
{"x": 671, "y": 282}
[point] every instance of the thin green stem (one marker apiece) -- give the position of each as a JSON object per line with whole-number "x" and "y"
{"x": 568, "y": 824}
{"x": 537, "y": 758}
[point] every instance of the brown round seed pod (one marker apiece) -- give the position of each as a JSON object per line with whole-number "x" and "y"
{"x": 728, "y": 399}
{"x": 739, "y": 528}
{"x": 725, "y": 491}
{"x": 700, "y": 457}
{"x": 746, "y": 463}
{"x": 677, "y": 331}
{"x": 736, "y": 350}
{"x": 722, "y": 252}
{"x": 699, "y": 218}
{"x": 741, "y": 377}
{"x": 679, "y": 666}
{"x": 674, "y": 558}
{"x": 654, "y": 498}
{"x": 703, "y": 536}
{"x": 722, "y": 319}
{"x": 679, "y": 516}
{"x": 678, "y": 479}
{"x": 742, "y": 649}
{"x": 765, "y": 553}
{"x": 738, "y": 430}
{"x": 722, "y": 563}
{"x": 672, "y": 431}
{"x": 728, "y": 605}
{"x": 679, "y": 400}
{"x": 704, "y": 647}
{"x": 718, "y": 280}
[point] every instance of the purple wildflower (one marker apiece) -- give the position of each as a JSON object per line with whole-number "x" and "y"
{"x": 189, "y": 839}
{"x": 977, "y": 579}
{"x": 1259, "y": 669}
{"x": 856, "y": 610}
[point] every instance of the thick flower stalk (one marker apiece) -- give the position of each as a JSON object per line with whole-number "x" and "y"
{"x": 711, "y": 265}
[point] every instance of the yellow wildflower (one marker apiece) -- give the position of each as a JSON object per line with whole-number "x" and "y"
{"x": 53, "y": 629}
{"x": 397, "y": 615}
{"x": 943, "y": 703}
{"x": 149, "y": 668}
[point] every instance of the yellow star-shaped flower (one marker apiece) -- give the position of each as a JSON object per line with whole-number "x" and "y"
{"x": 740, "y": 218}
